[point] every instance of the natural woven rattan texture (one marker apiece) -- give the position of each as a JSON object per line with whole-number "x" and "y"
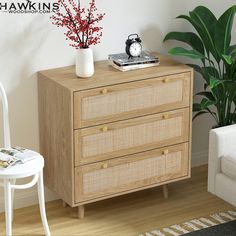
{"x": 132, "y": 136}
{"x": 117, "y": 176}
{"x": 132, "y": 99}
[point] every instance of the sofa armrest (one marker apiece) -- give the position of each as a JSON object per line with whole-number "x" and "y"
{"x": 222, "y": 141}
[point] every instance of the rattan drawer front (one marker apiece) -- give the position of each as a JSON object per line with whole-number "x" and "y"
{"x": 112, "y": 103}
{"x": 131, "y": 172}
{"x": 131, "y": 136}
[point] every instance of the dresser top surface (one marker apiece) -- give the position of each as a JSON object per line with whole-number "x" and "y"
{"x": 106, "y": 75}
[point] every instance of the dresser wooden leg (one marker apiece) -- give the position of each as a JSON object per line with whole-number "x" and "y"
{"x": 81, "y": 212}
{"x": 64, "y": 204}
{"x": 165, "y": 191}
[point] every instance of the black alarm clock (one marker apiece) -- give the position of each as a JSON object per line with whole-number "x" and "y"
{"x": 133, "y": 46}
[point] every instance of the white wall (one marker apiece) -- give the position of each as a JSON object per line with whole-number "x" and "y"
{"x": 30, "y": 43}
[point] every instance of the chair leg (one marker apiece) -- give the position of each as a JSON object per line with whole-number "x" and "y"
{"x": 13, "y": 182}
{"x": 8, "y": 207}
{"x": 42, "y": 204}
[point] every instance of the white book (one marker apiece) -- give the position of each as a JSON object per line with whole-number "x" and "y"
{"x": 133, "y": 67}
{"x": 122, "y": 59}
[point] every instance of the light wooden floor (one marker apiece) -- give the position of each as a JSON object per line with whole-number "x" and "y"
{"x": 126, "y": 215}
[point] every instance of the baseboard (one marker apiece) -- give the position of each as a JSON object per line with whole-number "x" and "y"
{"x": 200, "y": 158}
{"x": 29, "y": 197}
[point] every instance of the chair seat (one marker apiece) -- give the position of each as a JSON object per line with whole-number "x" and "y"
{"x": 23, "y": 170}
{"x": 228, "y": 165}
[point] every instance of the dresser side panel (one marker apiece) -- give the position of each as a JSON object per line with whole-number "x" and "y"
{"x": 56, "y": 137}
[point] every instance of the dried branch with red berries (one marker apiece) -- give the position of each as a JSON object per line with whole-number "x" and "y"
{"x": 81, "y": 23}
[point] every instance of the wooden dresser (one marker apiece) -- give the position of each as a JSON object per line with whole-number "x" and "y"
{"x": 116, "y": 132}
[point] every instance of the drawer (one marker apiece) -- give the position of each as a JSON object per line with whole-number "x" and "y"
{"x": 131, "y": 136}
{"x": 119, "y": 102}
{"x": 132, "y": 172}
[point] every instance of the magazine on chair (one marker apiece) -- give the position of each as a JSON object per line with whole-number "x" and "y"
{"x": 15, "y": 155}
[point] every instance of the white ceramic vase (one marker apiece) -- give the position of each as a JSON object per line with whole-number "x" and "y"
{"x": 84, "y": 64}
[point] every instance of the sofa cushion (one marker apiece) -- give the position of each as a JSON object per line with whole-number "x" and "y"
{"x": 228, "y": 165}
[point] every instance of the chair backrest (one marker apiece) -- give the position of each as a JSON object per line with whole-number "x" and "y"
{"x": 6, "y": 127}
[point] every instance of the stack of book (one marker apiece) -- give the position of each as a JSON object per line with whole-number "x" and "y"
{"x": 123, "y": 62}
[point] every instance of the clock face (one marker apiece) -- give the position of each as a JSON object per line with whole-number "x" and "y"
{"x": 135, "y": 49}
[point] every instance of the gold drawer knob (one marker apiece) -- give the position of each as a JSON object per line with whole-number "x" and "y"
{"x": 166, "y": 116}
{"x": 104, "y": 166}
{"x": 104, "y": 91}
{"x": 165, "y": 152}
{"x": 105, "y": 129}
{"x": 166, "y": 80}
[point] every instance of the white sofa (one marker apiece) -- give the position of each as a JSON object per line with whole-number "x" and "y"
{"x": 222, "y": 163}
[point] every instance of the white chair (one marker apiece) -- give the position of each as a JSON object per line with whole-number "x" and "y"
{"x": 9, "y": 176}
{"x": 222, "y": 163}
